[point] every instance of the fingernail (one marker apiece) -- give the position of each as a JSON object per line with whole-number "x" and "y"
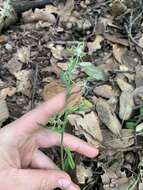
{"x": 64, "y": 183}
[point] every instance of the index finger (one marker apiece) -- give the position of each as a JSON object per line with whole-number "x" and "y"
{"x": 29, "y": 122}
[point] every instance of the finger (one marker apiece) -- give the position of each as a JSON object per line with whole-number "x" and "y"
{"x": 30, "y": 121}
{"x": 45, "y": 138}
{"x": 43, "y": 179}
{"x": 41, "y": 161}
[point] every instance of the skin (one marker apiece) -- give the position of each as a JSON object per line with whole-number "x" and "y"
{"x": 22, "y": 165}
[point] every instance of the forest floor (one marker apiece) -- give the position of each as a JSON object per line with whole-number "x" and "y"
{"x": 107, "y": 37}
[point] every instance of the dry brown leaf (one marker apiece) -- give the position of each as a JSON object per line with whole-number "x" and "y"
{"x": 23, "y": 84}
{"x": 13, "y": 65}
{"x": 116, "y": 40}
{"x": 108, "y": 117}
{"x": 141, "y": 41}
{"x": 4, "y": 113}
{"x": 57, "y": 52}
{"x": 66, "y": 11}
{"x": 9, "y": 91}
{"x": 88, "y": 125}
{"x": 139, "y": 76}
{"x": 110, "y": 141}
{"x": 138, "y": 96}
{"x": 23, "y": 54}
{"x": 55, "y": 87}
{"x": 83, "y": 173}
{"x": 118, "y": 8}
{"x": 39, "y": 14}
{"x": 63, "y": 66}
{"x": 118, "y": 51}
{"x": 3, "y": 39}
{"x": 123, "y": 85}
{"x": 126, "y": 105}
{"x": 104, "y": 91}
{"x": 95, "y": 45}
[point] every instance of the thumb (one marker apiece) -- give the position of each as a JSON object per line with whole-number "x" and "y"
{"x": 45, "y": 180}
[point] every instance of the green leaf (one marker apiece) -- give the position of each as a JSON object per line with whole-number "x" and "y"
{"x": 69, "y": 158}
{"x": 95, "y": 72}
{"x": 130, "y": 125}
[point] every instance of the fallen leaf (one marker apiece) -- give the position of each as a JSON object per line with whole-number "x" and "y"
{"x": 39, "y": 14}
{"x": 23, "y": 83}
{"x": 118, "y": 51}
{"x": 4, "y": 113}
{"x": 126, "y": 105}
{"x": 57, "y": 52}
{"x": 3, "y": 39}
{"x": 138, "y": 96}
{"x": 108, "y": 117}
{"x": 110, "y": 141}
{"x": 66, "y": 11}
{"x": 83, "y": 173}
{"x": 141, "y": 41}
{"x": 94, "y": 72}
{"x": 123, "y": 85}
{"x": 116, "y": 40}
{"x": 105, "y": 91}
{"x": 95, "y": 45}
{"x": 118, "y": 8}
{"x": 23, "y": 54}
{"x": 139, "y": 128}
{"x": 55, "y": 87}
{"x": 14, "y": 65}
{"x": 139, "y": 76}
{"x": 88, "y": 125}
{"x": 9, "y": 91}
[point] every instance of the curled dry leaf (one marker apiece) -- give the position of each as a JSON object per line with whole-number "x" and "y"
{"x": 4, "y": 113}
{"x": 105, "y": 91}
{"x": 23, "y": 84}
{"x": 95, "y": 45}
{"x": 108, "y": 117}
{"x": 57, "y": 52}
{"x": 23, "y": 54}
{"x": 126, "y": 105}
{"x": 88, "y": 125}
{"x": 55, "y": 87}
{"x": 123, "y": 85}
{"x": 83, "y": 173}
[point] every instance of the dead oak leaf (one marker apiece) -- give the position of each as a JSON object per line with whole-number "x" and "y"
{"x": 66, "y": 11}
{"x": 23, "y": 54}
{"x": 95, "y": 45}
{"x": 58, "y": 52}
{"x": 23, "y": 84}
{"x": 108, "y": 117}
{"x": 88, "y": 125}
{"x": 55, "y": 87}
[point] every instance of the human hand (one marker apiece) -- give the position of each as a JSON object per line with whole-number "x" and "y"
{"x": 22, "y": 165}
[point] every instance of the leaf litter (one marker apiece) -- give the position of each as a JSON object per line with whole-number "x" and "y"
{"x": 34, "y": 53}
